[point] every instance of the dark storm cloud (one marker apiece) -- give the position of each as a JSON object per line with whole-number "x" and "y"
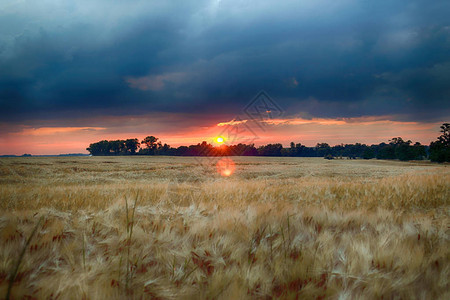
{"x": 320, "y": 58}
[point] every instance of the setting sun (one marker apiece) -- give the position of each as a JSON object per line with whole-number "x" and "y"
{"x": 220, "y": 140}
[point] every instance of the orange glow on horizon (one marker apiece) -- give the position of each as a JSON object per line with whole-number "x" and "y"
{"x": 20, "y": 139}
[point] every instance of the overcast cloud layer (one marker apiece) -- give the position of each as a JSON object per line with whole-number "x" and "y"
{"x": 315, "y": 58}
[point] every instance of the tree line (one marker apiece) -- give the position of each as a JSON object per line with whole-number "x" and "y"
{"x": 396, "y": 148}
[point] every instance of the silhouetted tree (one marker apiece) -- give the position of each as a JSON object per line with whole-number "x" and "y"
{"x": 164, "y": 150}
{"x": 117, "y": 147}
{"x": 403, "y": 150}
{"x": 132, "y": 145}
{"x": 419, "y": 151}
{"x": 243, "y": 149}
{"x": 270, "y": 150}
{"x": 440, "y": 149}
{"x": 396, "y": 149}
{"x": 386, "y": 151}
{"x": 99, "y": 148}
{"x": 368, "y": 153}
{"x": 152, "y": 145}
{"x": 323, "y": 149}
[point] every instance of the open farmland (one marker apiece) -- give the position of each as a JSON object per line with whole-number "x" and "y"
{"x": 165, "y": 227}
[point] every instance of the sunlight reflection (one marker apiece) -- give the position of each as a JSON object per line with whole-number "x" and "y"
{"x": 225, "y": 167}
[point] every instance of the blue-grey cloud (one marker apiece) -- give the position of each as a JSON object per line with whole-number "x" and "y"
{"x": 319, "y": 58}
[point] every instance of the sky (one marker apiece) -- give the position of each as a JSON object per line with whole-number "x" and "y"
{"x": 76, "y": 72}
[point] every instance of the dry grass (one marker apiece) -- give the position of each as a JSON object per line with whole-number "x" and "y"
{"x": 278, "y": 227}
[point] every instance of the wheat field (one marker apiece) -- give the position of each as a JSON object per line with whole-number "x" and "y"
{"x": 171, "y": 228}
